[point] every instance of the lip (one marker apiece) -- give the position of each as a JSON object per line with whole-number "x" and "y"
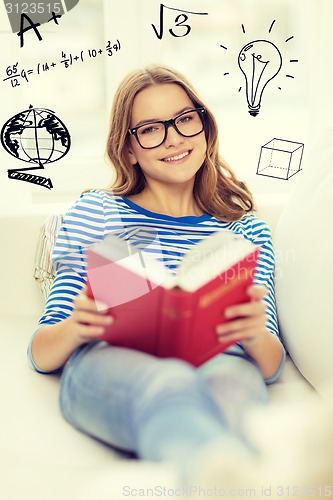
{"x": 177, "y": 157}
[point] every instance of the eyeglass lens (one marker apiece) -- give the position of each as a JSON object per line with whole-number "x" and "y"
{"x": 153, "y": 134}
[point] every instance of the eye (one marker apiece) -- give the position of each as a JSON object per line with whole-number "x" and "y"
{"x": 150, "y": 129}
{"x": 185, "y": 118}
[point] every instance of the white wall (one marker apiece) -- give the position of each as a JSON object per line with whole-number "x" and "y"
{"x": 81, "y": 95}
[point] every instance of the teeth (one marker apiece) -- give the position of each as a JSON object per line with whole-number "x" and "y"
{"x": 179, "y": 157}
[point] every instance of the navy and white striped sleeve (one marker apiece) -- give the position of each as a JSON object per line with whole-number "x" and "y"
{"x": 83, "y": 225}
{"x": 265, "y": 272}
{"x": 265, "y": 275}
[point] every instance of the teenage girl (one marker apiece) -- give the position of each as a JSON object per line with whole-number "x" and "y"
{"x": 170, "y": 179}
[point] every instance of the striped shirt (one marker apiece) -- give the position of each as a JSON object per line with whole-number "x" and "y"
{"x": 97, "y": 213}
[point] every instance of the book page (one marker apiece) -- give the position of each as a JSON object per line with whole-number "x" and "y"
{"x": 211, "y": 257}
{"x": 135, "y": 259}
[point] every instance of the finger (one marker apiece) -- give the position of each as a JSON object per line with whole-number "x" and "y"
{"x": 82, "y": 301}
{"x": 92, "y": 318}
{"x": 255, "y": 308}
{"x": 257, "y": 292}
{"x": 240, "y": 325}
{"x": 90, "y": 331}
{"x": 242, "y": 336}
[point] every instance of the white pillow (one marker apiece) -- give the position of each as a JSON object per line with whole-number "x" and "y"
{"x": 304, "y": 273}
{"x": 44, "y": 269}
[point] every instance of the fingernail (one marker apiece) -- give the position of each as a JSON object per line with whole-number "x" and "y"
{"x": 101, "y": 305}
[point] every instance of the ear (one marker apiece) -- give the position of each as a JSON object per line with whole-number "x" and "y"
{"x": 131, "y": 155}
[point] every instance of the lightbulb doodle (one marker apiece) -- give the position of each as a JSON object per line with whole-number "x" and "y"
{"x": 35, "y": 136}
{"x": 260, "y": 61}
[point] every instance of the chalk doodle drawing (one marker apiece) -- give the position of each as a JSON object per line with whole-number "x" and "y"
{"x": 30, "y": 15}
{"x": 35, "y": 136}
{"x": 260, "y": 61}
{"x": 181, "y": 27}
{"x": 280, "y": 158}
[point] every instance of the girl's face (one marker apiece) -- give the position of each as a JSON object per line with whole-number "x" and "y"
{"x": 177, "y": 160}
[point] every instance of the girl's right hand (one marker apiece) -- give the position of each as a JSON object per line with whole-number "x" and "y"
{"x": 87, "y": 321}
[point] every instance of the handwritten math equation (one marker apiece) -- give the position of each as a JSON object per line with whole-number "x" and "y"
{"x": 15, "y": 75}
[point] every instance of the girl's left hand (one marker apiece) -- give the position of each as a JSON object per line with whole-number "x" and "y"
{"x": 250, "y": 319}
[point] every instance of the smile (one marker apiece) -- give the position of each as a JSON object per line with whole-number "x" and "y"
{"x": 177, "y": 157}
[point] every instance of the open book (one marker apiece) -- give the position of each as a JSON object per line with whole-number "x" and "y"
{"x": 165, "y": 313}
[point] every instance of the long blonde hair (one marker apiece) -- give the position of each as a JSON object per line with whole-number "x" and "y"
{"x": 217, "y": 191}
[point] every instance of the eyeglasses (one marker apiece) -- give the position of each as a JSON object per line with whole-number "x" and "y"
{"x": 153, "y": 134}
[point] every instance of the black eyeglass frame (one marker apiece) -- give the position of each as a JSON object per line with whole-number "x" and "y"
{"x": 169, "y": 123}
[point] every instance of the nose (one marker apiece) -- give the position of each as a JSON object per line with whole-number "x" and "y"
{"x": 173, "y": 138}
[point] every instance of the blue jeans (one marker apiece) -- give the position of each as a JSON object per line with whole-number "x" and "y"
{"x": 159, "y": 409}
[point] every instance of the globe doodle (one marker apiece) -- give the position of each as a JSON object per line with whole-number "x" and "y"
{"x": 35, "y": 136}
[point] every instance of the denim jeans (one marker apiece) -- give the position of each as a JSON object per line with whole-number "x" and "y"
{"x": 159, "y": 409}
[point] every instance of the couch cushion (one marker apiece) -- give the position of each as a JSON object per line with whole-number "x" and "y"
{"x": 304, "y": 274}
{"x": 44, "y": 267}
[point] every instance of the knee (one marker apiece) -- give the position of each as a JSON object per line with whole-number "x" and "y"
{"x": 170, "y": 383}
{"x": 231, "y": 367}
{"x": 168, "y": 374}
{"x": 237, "y": 374}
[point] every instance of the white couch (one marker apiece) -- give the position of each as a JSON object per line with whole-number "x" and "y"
{"x": 41, "y": 456}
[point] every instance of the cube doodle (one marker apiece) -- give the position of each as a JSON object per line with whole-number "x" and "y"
{"x": 280, "y": 158}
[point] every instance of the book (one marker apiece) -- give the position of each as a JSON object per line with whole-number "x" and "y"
{"x": 168, "y": 313}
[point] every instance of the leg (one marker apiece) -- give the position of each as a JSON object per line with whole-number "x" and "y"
{"x": 237, "y": 386}
{"x": 158, "y": 408}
